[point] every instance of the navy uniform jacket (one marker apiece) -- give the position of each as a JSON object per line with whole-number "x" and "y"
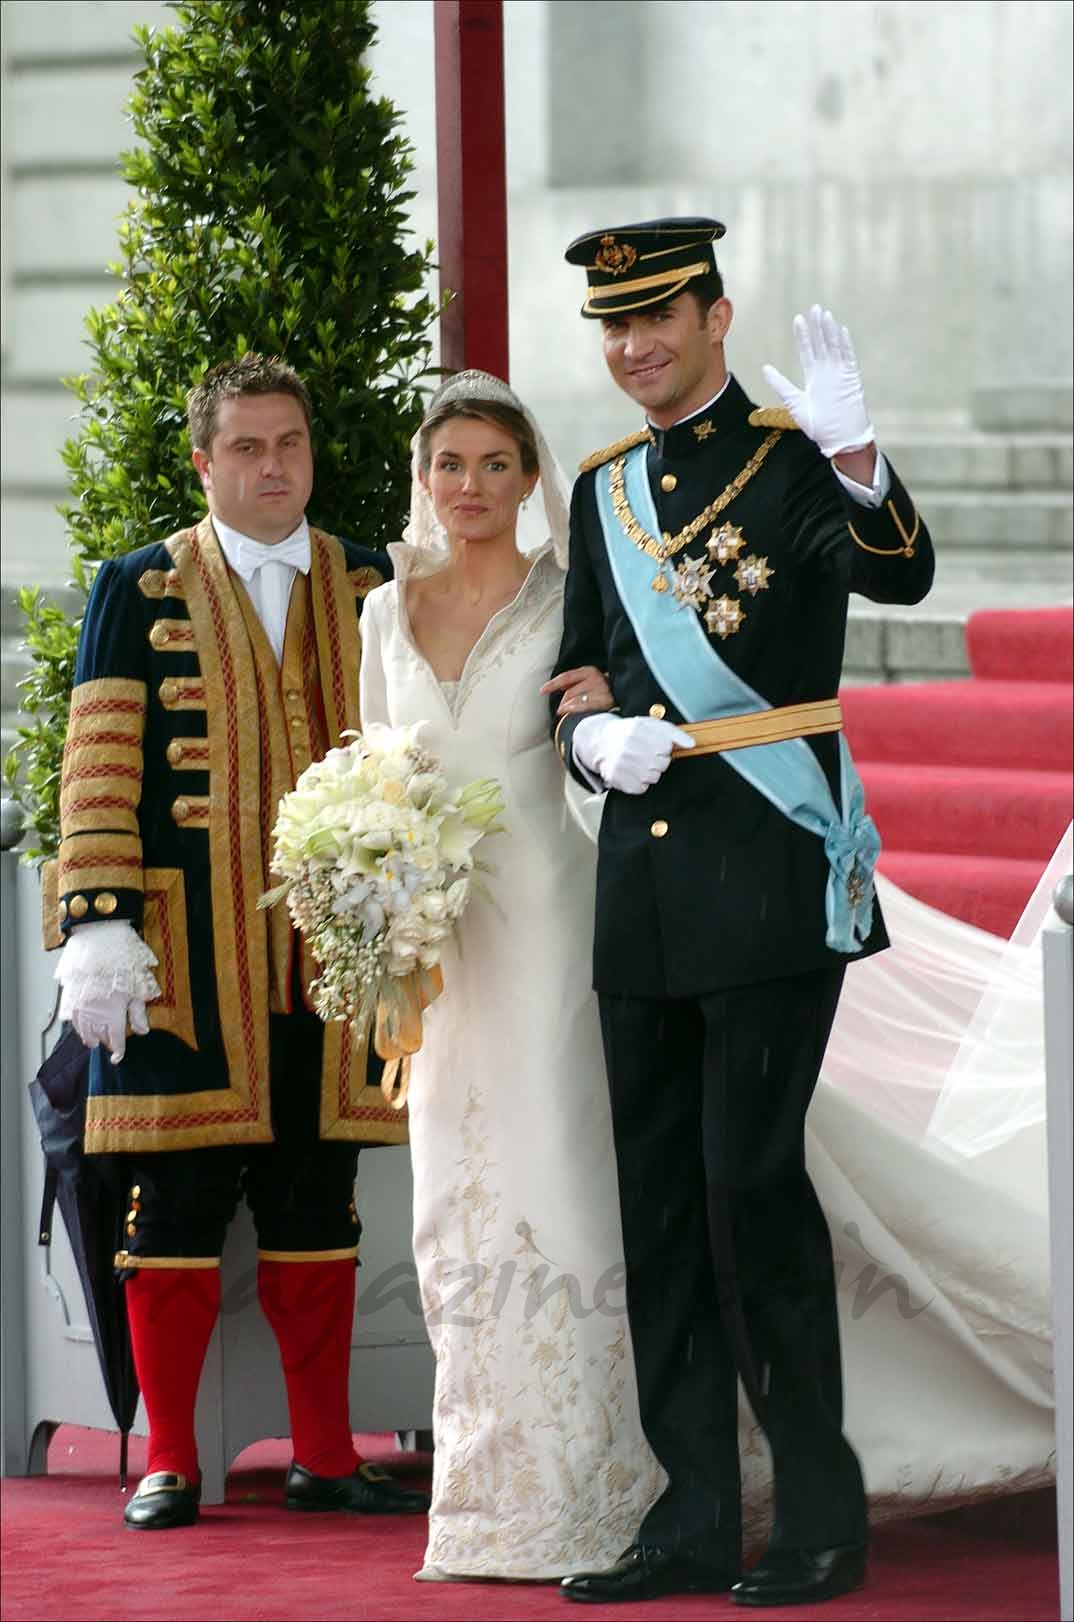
{"x": 730, "y": 891}
{"x": 184, "y": 733}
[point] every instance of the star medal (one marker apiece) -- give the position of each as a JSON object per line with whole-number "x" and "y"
{"x": 725, "y": 543}
{"x": 724, "y": 616}
{"x": 753, "y": 574}
{"x": 691, "y": 582}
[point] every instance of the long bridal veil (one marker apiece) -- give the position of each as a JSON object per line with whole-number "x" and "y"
{"x": 926, "y": 1141}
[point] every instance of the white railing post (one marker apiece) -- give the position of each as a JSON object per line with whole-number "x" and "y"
{"x": 1058, "y": 946}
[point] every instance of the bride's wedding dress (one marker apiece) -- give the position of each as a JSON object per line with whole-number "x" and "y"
{"x": 540, "y": 1468}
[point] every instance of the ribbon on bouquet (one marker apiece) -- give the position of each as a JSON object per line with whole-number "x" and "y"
{"x": 397, "y": 1034}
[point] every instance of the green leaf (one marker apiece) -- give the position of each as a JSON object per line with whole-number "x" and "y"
{"x": 267, "y": 207}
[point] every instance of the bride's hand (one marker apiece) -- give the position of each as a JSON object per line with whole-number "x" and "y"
{"x": 585, "y": 691}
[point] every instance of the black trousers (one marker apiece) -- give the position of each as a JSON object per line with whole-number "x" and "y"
{"x": 729, "y": 1259}
{"x": 300, "y": 1189}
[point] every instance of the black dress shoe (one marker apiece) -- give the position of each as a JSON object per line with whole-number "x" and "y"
{"x": 368, "y": 1491}
{"x": 162, "y": 1500}
{"x": 646, "y": 1574}
{"x": 802, "y": 1576}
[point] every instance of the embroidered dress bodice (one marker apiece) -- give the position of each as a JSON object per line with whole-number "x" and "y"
{"x": 540, "y": 1467}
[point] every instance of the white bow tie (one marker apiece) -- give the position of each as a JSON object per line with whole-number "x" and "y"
{"x": 295, "y": 550}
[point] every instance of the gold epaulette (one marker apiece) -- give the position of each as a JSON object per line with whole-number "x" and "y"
{"x": 617, "y": 449}
{"x": 771, "y": 417}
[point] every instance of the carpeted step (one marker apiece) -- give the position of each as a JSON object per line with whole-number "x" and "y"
{"x": 968, "y": 809}
{"x": 1017, "y": 725}
{"x": 1012, "y": 646}
{"x": 988, "y": 891}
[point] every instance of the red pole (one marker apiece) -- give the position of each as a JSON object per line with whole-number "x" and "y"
{"x": 471, "y": 183}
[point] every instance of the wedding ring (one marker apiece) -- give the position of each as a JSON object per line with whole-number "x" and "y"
{"x": 583, "y": 698}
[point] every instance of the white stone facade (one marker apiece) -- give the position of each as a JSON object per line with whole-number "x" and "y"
{"x": 906, "y": 161}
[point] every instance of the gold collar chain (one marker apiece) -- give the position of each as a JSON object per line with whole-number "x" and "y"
{"x": 668, "y": 545}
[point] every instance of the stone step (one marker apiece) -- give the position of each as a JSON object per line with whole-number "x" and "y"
{"x": 890, "y": 644}
{"x": 1011, "y": 521}
{"x": 977, "y": 461}
{"x": 1011, "y": 407}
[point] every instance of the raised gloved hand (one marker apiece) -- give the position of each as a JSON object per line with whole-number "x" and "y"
{"x": 628, "y": 753}
{"x": 105, "y": 970}
{"x": 830, "y": 406}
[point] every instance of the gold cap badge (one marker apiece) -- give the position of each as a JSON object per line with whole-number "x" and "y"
{"x": 614, "y": 258}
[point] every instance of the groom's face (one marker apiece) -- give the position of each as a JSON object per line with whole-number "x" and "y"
{"x": 668, "y": 358}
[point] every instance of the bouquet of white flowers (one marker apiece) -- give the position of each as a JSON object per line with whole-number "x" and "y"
{"x": 376, "y": 852}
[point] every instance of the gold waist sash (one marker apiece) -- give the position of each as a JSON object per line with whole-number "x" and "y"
{"x": 760, "y": 726}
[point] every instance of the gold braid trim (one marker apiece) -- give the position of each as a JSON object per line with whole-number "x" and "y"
{"x": 670, "y": 544}
{"x": 620, "y": 448}
{"x": 906, "y": 550}
{"x": 347, "y": 1254}
{"x": 189, "y": 1264}
{"x": 773, "y": 417}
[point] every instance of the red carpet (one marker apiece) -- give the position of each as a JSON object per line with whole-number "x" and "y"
{"x": 67, "y": 1555}
{"x": 969, "y": 782}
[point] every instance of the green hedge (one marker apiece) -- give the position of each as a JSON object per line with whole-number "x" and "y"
{"x": 269, "y": 214}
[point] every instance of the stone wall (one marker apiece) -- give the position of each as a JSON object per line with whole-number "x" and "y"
{"x": 907, "y": 161}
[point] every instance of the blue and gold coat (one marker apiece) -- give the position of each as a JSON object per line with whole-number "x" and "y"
{"x": 184, "y": 733}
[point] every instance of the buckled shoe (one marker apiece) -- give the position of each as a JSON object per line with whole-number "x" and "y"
{"x": 369, "y": 1490}
{"x": 162, "y": 1500}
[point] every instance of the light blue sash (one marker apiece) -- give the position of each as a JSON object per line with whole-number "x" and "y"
{"x": 702, "y": 687}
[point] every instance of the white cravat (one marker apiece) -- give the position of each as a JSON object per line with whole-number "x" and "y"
{"x": 268, "y": 572}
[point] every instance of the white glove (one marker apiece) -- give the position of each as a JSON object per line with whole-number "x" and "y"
{"x": 105, "y": 1019}
{"x": 105, "y": 970}
{"x": 628, "y": 753}
{"x": 831, "y": 407}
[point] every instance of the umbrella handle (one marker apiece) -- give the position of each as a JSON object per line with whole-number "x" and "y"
{"x": 51, "y": 1023}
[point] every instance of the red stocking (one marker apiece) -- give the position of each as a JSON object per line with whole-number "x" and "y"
{"x": 172, "y": 1311}
{"x": 310, "y": 1306}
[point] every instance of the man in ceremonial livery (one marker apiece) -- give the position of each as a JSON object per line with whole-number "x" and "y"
{"x": 712, "y": 554}
{"x": 212, "y": 669}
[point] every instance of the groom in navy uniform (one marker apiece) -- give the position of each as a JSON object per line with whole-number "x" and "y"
{"x": 712, "y": 554}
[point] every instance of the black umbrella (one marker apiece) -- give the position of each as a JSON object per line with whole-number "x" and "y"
{"x": 92, "y": 1203}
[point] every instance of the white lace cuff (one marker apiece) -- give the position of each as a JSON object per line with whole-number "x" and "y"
{"x": 100, "y": 960}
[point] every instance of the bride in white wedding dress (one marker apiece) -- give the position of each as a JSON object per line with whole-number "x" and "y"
{"x": 540, "y": 1466}
{"x": 925, "y": 1137}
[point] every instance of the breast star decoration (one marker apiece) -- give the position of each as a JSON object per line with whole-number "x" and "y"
{"x": 725, "y": 543}
{"x": 691, "y": 582}
{"x": 753, "y": 574}
{"x": 724, "y": 616}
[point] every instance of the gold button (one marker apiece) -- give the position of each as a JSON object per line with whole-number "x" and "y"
{"x": 136, "y": 1191}
{"x": 659, "y": 828}
{"x": 131, "y": 1230}
{"x": 105, "y": 903}
{"x": 657, "y": 711}
{"x": 175, "y": 751}
{"x": 668, "y": 482}
{"x": 294, "y": 696}
{"x": 159, "y": 636}
{"x": 296, "y": 722}
{"x": 181, "y": 810}
{"x": 169, "y": 691}
{"x": 132, "y": 1216}
{"x": 79, "y": 906}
